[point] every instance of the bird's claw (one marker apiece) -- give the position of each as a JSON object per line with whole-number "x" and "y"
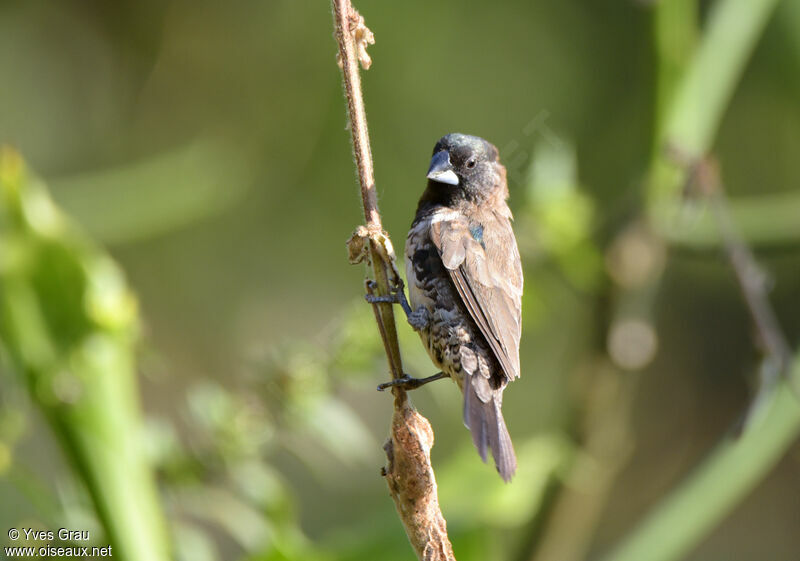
{"x": 385, "y": 299}
{"x": 408, "y": 383}
{"x": 419, "y": 319}
{"x": 396, "y": 296}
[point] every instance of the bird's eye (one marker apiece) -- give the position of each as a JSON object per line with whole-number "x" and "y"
{"x": 471, "y": 163}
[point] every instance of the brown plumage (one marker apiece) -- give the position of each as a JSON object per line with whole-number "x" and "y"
{"x": 465, "y": 284}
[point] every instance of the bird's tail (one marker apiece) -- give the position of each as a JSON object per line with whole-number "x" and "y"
{"x": 484, "y": 419}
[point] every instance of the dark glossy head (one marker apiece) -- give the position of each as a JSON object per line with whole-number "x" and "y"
{"x": 465, "y": 166}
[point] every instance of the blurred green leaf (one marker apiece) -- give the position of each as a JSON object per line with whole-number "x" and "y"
{"x": 559, "y": 214}
{"x": 68, "y": 323}
{"x": 193, "y": 544}
{"x": 355, "y": 344}
{"x": 238, "y": 425}
{"x": 335, "y": 423}
{"x": 491, "y": 502}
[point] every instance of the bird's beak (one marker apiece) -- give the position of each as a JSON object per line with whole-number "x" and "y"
{"x": 441, "y": 169}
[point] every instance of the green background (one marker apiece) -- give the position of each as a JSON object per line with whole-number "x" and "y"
{"x": 204, "y": 145}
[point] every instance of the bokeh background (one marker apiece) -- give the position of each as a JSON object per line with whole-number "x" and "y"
{"x": 204, "y": 146}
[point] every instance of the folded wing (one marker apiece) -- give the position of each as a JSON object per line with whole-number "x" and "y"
{"x": 483, "y": 262}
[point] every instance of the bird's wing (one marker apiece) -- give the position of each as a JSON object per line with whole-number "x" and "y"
{"x": 483, "y": 261}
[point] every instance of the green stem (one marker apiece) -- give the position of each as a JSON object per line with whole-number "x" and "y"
{"x": 734, "y": 468}
{"x": 691, "y": 121}
{"x": 768, "y": 219}
{"x": 68, "y": 324}
{"x": 734, "y": 27}
{"x": 102, "y": 435}
{"x": 687, "y": 126}
{"x": 675, "y": 28}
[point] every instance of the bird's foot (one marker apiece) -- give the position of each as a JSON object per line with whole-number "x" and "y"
{"x": 418, "y": 319}
{"x": 409, "y": 383}
{"x": 385, "y": 299}
{"x": 397, "y": 295}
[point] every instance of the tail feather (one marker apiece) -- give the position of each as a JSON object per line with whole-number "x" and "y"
{"x": 485, "y": 421}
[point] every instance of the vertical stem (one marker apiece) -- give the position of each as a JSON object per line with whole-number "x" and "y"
{"x": 343, "y": 14}
{"x": 675, "y": 29}
{"x": 409, "y": 474}
{"x": 345, "y": 21}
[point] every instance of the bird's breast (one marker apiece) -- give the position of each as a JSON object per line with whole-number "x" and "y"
{"x": 423, "y": 267}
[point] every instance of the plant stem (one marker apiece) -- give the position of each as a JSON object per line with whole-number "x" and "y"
{"x": 691, "y": 119}
{"x": 68, "y": 323}
{"x": 346, "y": 22}
{"x": 675, "y": 29}
{"x": 697, "y": 106}
{"x": 734, "y": 27}
{"x": 734, "y": 468}
{"x": 409, "y": 473}
{"x": 767, "y": 219}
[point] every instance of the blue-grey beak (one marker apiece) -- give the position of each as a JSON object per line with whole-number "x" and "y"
{"x": 441, "y": 169}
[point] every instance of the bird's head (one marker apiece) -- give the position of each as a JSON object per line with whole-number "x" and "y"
{"x": 467, "y": 166}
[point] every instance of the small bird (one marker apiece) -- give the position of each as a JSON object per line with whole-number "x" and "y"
{"x": 465, "y": 286}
